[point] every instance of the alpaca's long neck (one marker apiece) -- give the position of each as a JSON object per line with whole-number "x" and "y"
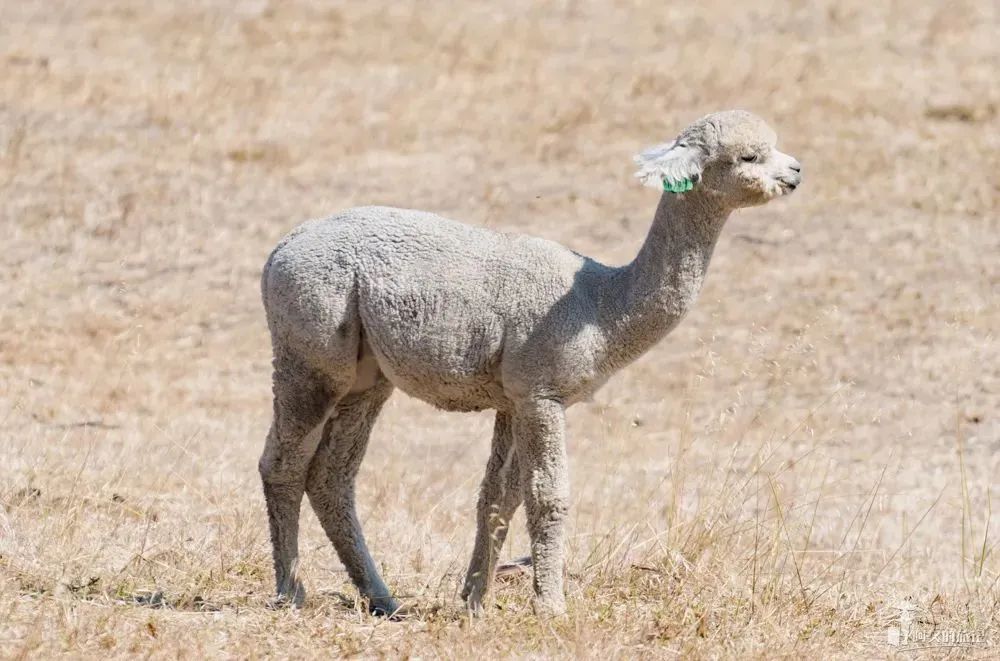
{"x": 660, "y": 285}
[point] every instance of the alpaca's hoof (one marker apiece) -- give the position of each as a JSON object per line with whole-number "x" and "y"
{"x": 548, "y": 607}
{"x": 386, "y": 607}
{"x": 473, "y": 594}
{"x": 293, "y": 597}
{"x": 474, "y": 603}
{"x": 509, "y": 571}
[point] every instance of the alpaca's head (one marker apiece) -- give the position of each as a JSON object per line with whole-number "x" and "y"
{"x": 729, "y": 155}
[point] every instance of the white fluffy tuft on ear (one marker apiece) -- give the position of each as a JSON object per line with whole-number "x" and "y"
{"x": 670, "y": 161}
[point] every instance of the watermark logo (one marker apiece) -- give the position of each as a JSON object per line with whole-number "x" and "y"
{"x": 915, "y": 629}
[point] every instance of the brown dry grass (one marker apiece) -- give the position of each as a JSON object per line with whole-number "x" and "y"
{"x": 817, "y": 441}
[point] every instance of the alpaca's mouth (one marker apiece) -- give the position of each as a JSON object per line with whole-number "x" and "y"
{"x": 788, "y": 185}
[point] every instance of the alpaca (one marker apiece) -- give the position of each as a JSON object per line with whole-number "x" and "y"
{"x": 468, "y": 319}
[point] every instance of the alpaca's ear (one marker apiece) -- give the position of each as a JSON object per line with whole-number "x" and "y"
{"x": 674, "y": 166}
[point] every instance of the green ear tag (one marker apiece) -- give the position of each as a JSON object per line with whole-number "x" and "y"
{"x": 681, "y": 186}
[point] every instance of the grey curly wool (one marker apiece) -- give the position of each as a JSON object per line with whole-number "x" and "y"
{"x": 470, "y": 319}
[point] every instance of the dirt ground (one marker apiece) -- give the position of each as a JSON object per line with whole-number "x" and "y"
{"x": 808, "y": 460}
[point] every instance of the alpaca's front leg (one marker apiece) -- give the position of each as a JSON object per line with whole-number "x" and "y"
{"x": 499, "y": 498}
{"x": 540, "y": 444}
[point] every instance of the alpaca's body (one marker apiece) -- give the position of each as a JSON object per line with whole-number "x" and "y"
{"x": 469, "y": 319}
{"x": 440, "y": 316}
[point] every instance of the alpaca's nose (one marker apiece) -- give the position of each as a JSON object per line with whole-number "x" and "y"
{"x": 793, "y": 177}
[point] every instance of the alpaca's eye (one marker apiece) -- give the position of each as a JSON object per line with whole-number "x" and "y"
{"x": 749, "y": 158}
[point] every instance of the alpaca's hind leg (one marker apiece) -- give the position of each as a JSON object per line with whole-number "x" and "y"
{"x": 330, "y": 486}
{"x": 302, "y": 400}
{"x": 541, "y": 450}
{"x": 499, "y": 498}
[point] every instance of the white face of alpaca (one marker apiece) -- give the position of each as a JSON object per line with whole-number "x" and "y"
{"x": 753, "y": 173}
{"x": 730, "y": 155}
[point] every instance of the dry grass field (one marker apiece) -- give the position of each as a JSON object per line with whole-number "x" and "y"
{"x": 815, "y": 446}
